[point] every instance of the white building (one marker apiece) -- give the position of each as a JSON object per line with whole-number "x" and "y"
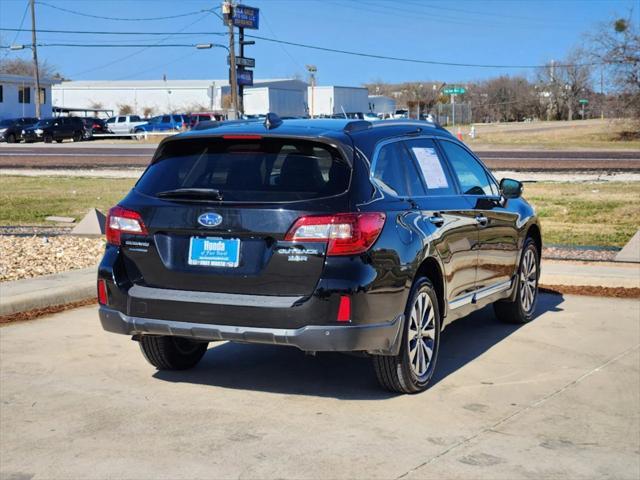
{"x": 281, "y": 101}
{"x": 329, "y": 100}
{"x": 151, "y": 97}
{"x": 381, "y": 104}
{"x": 18, "y": 97}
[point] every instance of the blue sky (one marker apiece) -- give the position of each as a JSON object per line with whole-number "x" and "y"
{"x": 509, "y": 32}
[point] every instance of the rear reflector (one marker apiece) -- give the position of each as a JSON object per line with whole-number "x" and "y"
{"x": 344, "y": 310}
{"x": 120, "y": 220}
{"x": 345, "y": 233}
{"x": 103, "y": 297}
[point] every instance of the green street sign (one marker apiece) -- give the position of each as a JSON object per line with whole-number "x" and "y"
{"x": 454, "y": 90}
{"x": 583, "y": 101}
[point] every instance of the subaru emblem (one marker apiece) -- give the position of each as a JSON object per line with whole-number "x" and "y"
{"x": 210, "y": 219}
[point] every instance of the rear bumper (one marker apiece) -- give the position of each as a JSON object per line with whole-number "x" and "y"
{"x": 380, "y": 338}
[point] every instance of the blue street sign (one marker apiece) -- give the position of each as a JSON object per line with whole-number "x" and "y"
{"x": 246, "y": 17}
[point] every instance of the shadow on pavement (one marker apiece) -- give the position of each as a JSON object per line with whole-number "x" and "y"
{"x": 289, "y": 371}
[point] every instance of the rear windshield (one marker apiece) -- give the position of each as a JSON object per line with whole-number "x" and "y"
{"x": 266, "y": 170}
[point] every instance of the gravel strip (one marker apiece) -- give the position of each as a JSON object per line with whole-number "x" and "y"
{"x": 28, "y": 257}
{"x": 569, "y": 253}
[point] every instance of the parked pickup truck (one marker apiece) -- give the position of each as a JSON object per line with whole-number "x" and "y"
{"x": 124, "y": 124}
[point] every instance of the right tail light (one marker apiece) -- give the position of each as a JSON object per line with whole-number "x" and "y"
{"x": 345, "y": 233}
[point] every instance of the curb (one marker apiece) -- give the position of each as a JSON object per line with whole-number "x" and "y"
{"x": 47, "y": 291}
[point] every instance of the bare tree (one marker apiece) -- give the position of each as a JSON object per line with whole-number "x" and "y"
{"x": 148, "y": 111}
{"x": 20, "y": 66}
{"x": 616, "y": 44}
{"x": 562, "y": 84}
{"x": 124, "y": 109}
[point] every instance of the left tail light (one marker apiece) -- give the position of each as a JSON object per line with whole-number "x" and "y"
{"x": 120, "y": 220}
{"x": 345, "y": 233}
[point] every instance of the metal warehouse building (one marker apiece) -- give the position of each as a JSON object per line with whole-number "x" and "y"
{"x": 151, "y": 97}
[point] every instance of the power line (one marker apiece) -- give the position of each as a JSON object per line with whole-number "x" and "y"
{"x": 358, "y": 54}
{"x": 18, "y": 30}
{"x": 91, "y": 32}
{"x": 122, "y": 19}
{"x": 137, "y": 52}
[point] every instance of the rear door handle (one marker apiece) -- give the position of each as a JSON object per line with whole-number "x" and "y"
{"x": 482, "y": 220}
{"x": 437, "y": 220}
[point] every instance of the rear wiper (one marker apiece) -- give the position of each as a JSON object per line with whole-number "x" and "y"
{"x": 192, "y": 193}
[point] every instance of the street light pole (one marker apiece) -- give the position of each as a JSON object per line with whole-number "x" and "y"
{"x": 312, "y": 69}
{"x": 34, "y": 49}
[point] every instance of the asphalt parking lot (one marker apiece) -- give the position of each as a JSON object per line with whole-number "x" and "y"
{"x": 557, "y": 398}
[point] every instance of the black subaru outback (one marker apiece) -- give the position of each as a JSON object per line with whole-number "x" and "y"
{"x": 326, "y": 235}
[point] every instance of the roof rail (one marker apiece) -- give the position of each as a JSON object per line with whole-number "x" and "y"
{"x": 357, "y": 125}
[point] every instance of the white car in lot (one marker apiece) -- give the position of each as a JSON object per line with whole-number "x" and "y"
{"x": 124, "y": 124}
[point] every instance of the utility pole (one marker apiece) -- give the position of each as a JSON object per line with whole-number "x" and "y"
{"x": 241, "y": 87}
{"x": 602, "y": 92}
{"x": 34, "y": 49}
{"x": 227, "y": 10}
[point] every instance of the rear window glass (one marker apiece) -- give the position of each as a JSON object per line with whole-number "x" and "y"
{"x": 266, "y": 170}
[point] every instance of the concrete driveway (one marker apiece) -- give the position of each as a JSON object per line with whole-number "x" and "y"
{"x": 557, "y": 398}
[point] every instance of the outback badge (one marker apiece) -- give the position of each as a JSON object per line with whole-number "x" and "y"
{"x": 210, "y": 219}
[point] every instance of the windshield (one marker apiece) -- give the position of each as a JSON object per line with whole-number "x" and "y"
{"x": 6, "y": 123}
{"x": 265, "y": 170}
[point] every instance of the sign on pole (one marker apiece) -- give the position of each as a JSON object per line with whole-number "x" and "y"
{"x": 583, "y": 101}
{"x": 454, "y": 90}
{"x": 245, "y": 77}
{"x": 245, "y": 17}
{"x": 243, "y": 62}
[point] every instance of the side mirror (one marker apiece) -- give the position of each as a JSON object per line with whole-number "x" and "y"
{"x": 510, "y": 188}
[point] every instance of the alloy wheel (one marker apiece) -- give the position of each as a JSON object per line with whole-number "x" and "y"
{"x": 422, "y": 334}
{"x": 528, "y": 280}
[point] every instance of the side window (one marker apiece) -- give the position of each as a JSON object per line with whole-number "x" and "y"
{"x": 471, "y": 175}
{"x": 134, "y": 118}
{"x": 111, "y": 120}
{"x": 122, "y": 119}
{"x": 396, "y": 172}
{"x": 166, "y": 119}
{"x": 433, "y": 168}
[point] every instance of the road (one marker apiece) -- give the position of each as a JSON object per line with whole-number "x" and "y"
{"x": 557, "y": 398}
{"x": 97, "y": 155}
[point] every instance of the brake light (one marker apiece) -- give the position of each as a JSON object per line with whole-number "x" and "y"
{"x": 103, "y": 297}
{"x": 345, "y": 233}
{"x": 242, "y": 137}
{"x": 120, "y": 220}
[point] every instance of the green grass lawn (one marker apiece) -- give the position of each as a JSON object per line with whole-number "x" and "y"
{"x": 605, "y": 214}
{"x": 28, "y": 200}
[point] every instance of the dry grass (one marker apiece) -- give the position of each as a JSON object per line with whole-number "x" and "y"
{"x": 574, "y": 135}
{"x": 606, "y": 214}
{"x": 28, "y": 200}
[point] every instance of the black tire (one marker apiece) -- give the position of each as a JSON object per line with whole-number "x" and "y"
{"x": 59, "y": 140}
{"x": 397, "y": 373}
{"x": 520, "y": 311}
{"x": 47, "y": 139}
{"x": 172, "y": 353}
{"x": 11, "y": 138}
{"x": 77, "y": 137}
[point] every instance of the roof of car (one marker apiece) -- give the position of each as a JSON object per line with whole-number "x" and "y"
{"x": 316, "y": 127}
